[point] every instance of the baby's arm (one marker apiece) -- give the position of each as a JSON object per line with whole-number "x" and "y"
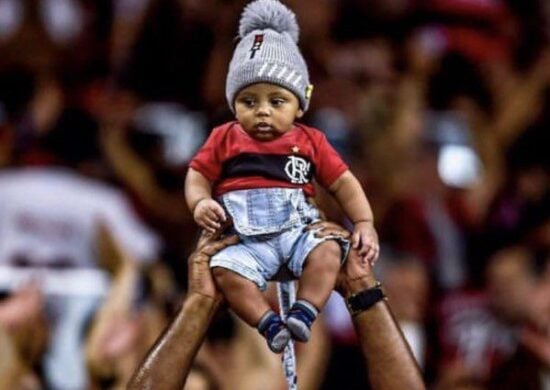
{"x": 350, "y": 195}
{"x": 207, "y": 213}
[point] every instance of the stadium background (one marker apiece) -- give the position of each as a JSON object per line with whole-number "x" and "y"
{"x": 439, "y": 106}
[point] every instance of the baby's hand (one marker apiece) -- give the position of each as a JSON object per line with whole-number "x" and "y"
{"x": 365, "y": 239}
{"x": 209, "y": 215}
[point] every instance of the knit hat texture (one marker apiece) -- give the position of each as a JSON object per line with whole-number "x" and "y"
{"x": 268, "y": 53}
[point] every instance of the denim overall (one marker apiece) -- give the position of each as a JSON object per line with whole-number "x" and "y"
{"x": 270, "y": 223}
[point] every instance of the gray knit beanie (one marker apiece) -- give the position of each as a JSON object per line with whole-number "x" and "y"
{"x": 268, "y": 52}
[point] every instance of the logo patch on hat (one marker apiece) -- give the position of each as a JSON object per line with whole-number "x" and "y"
{"x": 309, "y": 91}
{"x": 258, "y": 40}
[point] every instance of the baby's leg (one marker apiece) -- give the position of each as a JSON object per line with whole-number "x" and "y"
{"x": 320, "y": 272}
{"x": 243, "y": 295}
{"x": 316, "y": 283}
{"x": 248, "y": 302}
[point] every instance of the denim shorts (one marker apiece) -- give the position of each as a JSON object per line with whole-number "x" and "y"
{"x": 270, "y": 224}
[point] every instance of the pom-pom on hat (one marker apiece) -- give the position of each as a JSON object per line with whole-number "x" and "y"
{"x": 268, "y": 52}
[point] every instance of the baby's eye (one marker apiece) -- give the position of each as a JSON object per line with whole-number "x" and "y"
{"x": 277, "y": 101}
{"x": 248, "y": 102}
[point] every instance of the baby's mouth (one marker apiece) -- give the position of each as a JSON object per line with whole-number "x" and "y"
{"x": 263, "y": 127}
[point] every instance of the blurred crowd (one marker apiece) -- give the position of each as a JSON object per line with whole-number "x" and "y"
{"x": 439, "y": 106}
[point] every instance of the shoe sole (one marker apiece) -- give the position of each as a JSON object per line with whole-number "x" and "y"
{"x": 298, "y": 329}
{"x": 280, "y": 341}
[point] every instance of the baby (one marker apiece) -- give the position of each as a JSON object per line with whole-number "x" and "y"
{"x": 257, "y": 171}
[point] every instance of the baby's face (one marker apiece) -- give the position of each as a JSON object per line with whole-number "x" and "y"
{"x": 266, "y": 111}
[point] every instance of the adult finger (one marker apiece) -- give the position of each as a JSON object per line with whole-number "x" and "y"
{"x": 354, "y": 263}
{"x": 355, "y": 268}
{"x": 355, "y": 240}
{"x": 204, "y": 239}
{"x": 372, "y": 256}
{"x": 364, "y": 249}
{"x": 332, "y": 232}
{"x": 316, "y": 226}
{"x": 322, "y": 225}
{"x": 214, "y": 247}
{"x": 208, "y": 236}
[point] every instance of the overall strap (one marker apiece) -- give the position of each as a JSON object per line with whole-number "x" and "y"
{"x": 286, "y": 291}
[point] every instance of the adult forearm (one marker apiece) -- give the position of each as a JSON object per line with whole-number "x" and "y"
{"x": 390, "y": 362}
{"x": 168, "y": 362}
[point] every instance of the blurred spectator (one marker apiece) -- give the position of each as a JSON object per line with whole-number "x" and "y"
{"x": 200, "y": 378}
{"x": 480, "y": 30}
{"x": 522, "y": 206}
{"x": 530, "y": 362}
{"x": 23, "y": 337}
{"x": 147, "y": 147}
{"x": 487, "y": 336}
{"x": 50, "y": 30}
{"x": 471, "y": 339}
{"x": 426, "y": 222}
{"x": 528, "y": 367}
{"x": 168, "y": 54}
{"x": 51, "y": 223}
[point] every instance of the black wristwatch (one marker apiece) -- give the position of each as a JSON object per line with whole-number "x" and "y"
{"x": 365, "y": 299}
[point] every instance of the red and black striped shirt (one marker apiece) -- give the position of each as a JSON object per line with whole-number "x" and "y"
{"x": 233, "y": 160}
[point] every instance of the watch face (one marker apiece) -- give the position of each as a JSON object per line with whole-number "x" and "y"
{"x": 364, "y": 300}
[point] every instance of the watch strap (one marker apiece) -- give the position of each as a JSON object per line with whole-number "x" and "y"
{"x": 365, "y": 299}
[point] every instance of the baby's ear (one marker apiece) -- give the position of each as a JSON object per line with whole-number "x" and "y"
{"x": 299, "y": 113}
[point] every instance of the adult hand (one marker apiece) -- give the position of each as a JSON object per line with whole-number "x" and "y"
{"x": 355, "y": 274}
{"x": 200, "y": 276}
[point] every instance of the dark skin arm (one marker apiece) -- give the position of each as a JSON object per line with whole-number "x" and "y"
{"x": 389, "y": 360}
{"x": 175, "y": 349}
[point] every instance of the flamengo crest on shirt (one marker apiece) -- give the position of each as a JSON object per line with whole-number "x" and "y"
{"x": 297, "y": 170}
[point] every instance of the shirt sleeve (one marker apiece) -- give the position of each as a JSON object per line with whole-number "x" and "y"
{"x": 330, "y": 165}
{"x": 207, "y": 160}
